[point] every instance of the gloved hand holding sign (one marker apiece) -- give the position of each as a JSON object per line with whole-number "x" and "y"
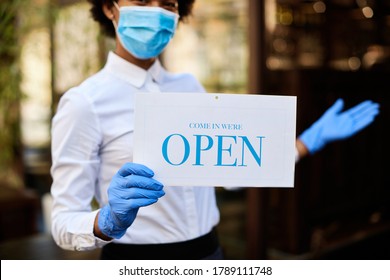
{"x": 336, "y": 125}
{"x": 131, "y": 188}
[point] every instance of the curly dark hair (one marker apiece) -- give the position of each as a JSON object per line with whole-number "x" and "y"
{"x": 185, "y": 10}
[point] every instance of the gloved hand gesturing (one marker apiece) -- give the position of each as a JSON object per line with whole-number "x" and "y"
{"x": 131, "y": 188}
{"x": 336, "y": 125}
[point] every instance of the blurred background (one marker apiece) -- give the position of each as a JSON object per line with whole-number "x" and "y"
{"x": 315, "y": 50}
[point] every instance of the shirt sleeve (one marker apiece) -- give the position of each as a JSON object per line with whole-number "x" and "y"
{"x": 75, "y": 163}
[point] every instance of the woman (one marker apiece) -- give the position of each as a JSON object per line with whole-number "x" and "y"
{"x": 92, "y": 147}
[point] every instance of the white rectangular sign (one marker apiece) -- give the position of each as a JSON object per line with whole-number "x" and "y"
{"x": 231, "y": 140}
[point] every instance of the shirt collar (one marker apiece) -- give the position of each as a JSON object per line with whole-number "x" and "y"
{"x": 131, "y": 73}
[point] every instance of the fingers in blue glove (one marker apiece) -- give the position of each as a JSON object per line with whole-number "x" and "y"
{"x": 130, "y": 168}
{"x": 131, "y": 188}
{"x": 337, "y": 107}
{"x": 336, "y": 125}
{"x": 363, "y": 114}
{"x": 366, "y": 108}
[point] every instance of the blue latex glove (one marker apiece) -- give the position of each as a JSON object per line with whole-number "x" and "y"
{"x": 336, "y": 125}
{"x": 131, "y": 188}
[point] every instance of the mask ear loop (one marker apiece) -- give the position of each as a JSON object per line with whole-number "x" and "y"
{"x": 115, "y": 4}
{"x": 115, "y": 24}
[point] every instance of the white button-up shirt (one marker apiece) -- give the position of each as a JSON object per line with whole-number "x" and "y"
{"x": 92, "y": 137}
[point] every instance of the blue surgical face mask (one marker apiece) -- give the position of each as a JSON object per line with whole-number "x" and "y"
{"x": 145, "y": 31}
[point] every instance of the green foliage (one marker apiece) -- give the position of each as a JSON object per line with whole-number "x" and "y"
{"x": 10, "y": 93}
